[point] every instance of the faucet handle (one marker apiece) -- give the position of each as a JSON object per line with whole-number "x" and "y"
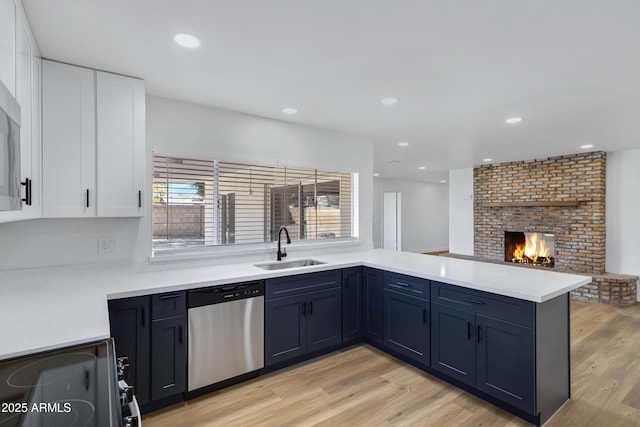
{"x": 284, "y": 253}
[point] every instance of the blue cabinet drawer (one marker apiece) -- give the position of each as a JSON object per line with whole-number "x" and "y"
{"x": 169, "y": 304}
{"x": 496, "y": 306}
{"x": 407, "y": 285}
{"x": 300, "y": 283}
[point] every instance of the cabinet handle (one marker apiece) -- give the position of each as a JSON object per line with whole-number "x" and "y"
{"x": 404, "y": 285}
{"x": 27, "y": 191}
{"x": 469, "y": 331}
{"x": 139, "y": 198}
{"x": 473, "y": 301}
{"x": 424, "y": 315}
{"x": 304, "y": 308}
{"x": 310, "y": 308}
{"x": 479, "y": 329}
{"x": 346, "y": 281}
{"x": 180, "y": 334}
{"x": 170, "y": 296}
{"x": 143, "y": 317}
{"x": 87, "y": 197}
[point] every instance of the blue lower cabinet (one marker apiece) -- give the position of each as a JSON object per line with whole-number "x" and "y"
{"x": 130, "y": 324}
{"x": 372, "y": 304}
{"x": 406, "y": 325}
{"x": 453, "y": 343}
{"x": 352, "y": 304}
{"x": 169, "y": 350}
{"x": 302, "y": 323}
{"x": 324, "y": 320}
{"x": 285, "y": 328}
{"x": 505, "y": 362}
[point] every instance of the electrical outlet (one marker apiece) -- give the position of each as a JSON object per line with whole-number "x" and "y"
{"x": 107, "y": 245}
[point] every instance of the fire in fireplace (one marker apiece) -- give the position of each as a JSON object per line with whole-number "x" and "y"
{"x": 529, "y": 248}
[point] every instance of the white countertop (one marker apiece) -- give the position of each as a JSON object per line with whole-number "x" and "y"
{"x": 42, "y": 309}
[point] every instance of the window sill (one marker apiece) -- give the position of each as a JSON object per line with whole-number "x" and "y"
{"x": 245, "y": 250}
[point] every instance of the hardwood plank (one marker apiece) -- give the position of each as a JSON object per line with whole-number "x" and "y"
{"x": 362, "y": 386}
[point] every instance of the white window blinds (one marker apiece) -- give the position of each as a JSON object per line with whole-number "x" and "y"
{"x": 200, "y": 203}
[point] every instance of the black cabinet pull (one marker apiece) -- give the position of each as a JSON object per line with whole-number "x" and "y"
{"x": 346, "y": 281}
{"x": 143, "y": 317}
{"x": 424, "y": 315}
{"x": 27, "y": 191}
{"x": 180, "y": 334}
{"x": 87, "y": 197}
{"x": 473, "y": 301}
{"x": 469, "y": 331}
{"x": 139, "y": 198}
{"x": 310, "y": 308}
{"x": 304, "y": 308}
{"x": 170, "y": 296}
{"x": 404, "y": 285}
{"x": 479, "y": 329}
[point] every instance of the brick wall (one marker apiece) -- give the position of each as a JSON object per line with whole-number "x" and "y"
{"x": 502, "y": 192}
{"x": 186, "y": 221}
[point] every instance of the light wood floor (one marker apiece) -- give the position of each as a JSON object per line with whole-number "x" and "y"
{"x": 362, "y": 386}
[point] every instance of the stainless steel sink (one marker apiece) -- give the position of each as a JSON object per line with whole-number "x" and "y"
{"x": 280, "y": 265}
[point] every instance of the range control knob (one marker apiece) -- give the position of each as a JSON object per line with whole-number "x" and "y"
{"x": 126, "y": 395}
{"x": 131, "y": 421}
{"x": 122, "y": 365}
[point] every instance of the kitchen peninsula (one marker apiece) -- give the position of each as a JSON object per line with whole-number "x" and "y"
{"x": 524, "y": 312}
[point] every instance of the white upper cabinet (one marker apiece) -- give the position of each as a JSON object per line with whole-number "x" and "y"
{"x": 19, "y": 52}
{"x": 121, "y": 145}
{"x": 69, "y": 141}
{"x": 94, "y": 143}
{"x": 8, "y": 44}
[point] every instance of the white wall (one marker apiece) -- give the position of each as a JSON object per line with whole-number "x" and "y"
{"x": 424, "y": 214}
{"x": 623, "y": 212}
{"x": 461, "y": 211}
{"x": 181, "y": 128}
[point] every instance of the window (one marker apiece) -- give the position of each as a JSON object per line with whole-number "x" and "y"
{"x": 202, "y": 203}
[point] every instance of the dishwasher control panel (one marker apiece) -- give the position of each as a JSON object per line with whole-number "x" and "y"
{"x": 223, "y": 293}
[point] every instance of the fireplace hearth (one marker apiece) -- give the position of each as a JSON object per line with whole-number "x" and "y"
{"x": 537, "y": 249}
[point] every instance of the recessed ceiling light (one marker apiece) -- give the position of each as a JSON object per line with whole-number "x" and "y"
{"x": 290, "y": 110}
{"x": 403, "y": 144}
{"x": 422, "y": 168}
{"x": 488, "y": 159}
{"x": 443, "y": 181}
{"x": 513, "y": 120}
{"x": 586, "y": 146}
{"x": 187, "y": 40}
{"x": 389, "y": 101}
{"x": 376, "y": 174}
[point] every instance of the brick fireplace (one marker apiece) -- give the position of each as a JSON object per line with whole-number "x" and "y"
{"x": 560, "y": 196}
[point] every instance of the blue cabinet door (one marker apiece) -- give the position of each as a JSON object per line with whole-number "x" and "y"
{"x": 406, "y": 325}
{"x": 169, "y": 364}
{"x": 453, "y": 344}
{"x": 324, "y": 318}
{"x": 130, "y": 324}
{"x": 285, "y": 328}
{"x": 505, "y": 362}
{"x": 352, "y": 304}
{"x": 372, "y": 290}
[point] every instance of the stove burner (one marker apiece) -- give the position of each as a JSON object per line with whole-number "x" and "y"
{"x": 29, "y": 375}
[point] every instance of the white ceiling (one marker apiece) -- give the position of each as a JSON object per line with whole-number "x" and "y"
{"x": 570, "y": 68}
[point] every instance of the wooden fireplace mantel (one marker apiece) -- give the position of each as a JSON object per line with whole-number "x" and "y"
{"x": 541, "y": 203}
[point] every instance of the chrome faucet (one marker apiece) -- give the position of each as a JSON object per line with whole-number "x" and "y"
{"x": 283, "y": 253}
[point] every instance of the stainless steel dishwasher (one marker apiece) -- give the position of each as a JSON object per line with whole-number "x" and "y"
{"x": 226, "y": 335}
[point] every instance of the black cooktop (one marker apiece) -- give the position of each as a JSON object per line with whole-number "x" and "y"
{"x": 64, "y": 388}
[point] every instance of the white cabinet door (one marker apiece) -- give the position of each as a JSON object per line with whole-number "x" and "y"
{"x": 29, "y": 145}
{"x": 121, "y": 145}
{"x": 69, "y": 141}
{"x": 8, "y": 44}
